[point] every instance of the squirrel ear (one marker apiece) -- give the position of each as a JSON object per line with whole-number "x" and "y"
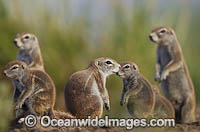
{"x": 98, "y": 63}
{"x": 171, "y": 32}
{"x": 134, "y": 67}
{"x": 23, "y": 66}
{"x": 34, "y": 38}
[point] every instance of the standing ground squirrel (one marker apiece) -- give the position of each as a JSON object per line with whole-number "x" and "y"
{"x": 29, "y": 52}
{"x": 137, "y": 91}
{"x": 85, "y": 91}
{"x": 173, "y": 73}
{"x": 163, "y": 108}
{"x": 38, "y": 88}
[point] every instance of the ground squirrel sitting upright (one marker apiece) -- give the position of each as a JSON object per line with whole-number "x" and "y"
{"x": 39, "y": 89}
{"x": 29, "y": 52}
{"x": 163, "y": 108}
{"x": 137, "y": 91}
{"x": 85, "y": 91}
{"x": 173, "y": 73}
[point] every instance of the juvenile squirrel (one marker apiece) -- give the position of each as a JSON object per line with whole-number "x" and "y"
{"x": 38, "y": 88}
{"x": 85, "y": 91}
{"x": 137, "y": 92}
{"x": 172, "y": 72}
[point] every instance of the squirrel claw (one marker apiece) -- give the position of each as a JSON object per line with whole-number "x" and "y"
{"x": 122, "y": 102}
{"x": 164, "y": 75}
{"x": 157, "y": 79}
{"x": 107, "y": 106}
{"x": 19, "y": 106}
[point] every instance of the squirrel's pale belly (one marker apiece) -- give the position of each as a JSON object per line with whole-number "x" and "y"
{"x": 176, "y": 85}
{"x": 95, "y": 91}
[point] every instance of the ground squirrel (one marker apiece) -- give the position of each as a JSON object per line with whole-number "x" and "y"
{"x": 163, "y": 108}
{"x": 85, "y": 91}
{"x": 137, "y": 92}
{"x": 38, "y": 88}
{"x": 173, "y": 73}
{"x": 29, "y": 52}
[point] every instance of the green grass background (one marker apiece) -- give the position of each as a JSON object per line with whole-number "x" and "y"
{"x": 118, "y": 29}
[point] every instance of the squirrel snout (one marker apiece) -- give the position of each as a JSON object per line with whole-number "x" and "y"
{"x": 150, "y": 37}
{"x": 15, "y": 42}
{"x": 4, "y": 72}
{"x": 153, "y": 37}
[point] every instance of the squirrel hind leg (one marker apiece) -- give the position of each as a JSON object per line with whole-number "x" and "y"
{"x": 51, "y": 113}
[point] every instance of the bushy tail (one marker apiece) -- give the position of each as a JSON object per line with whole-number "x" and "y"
{"x": 62, "y": 115}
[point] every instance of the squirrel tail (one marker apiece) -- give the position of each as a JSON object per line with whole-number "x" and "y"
{"x": 62, "y": 115}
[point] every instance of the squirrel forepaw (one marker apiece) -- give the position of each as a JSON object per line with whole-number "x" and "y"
{"x": 18, "y": 106}
{"x": 123, "y": 101}
{"x": 107, "y": 106}
{"x": 164, "y": 75}
{"x": 157, "y": 78}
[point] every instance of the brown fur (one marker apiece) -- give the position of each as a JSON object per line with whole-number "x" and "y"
{"x": 137, "y": 91}
{"x": 163, "y": 108}
{"x": 62, "y": 115}
{"x": 85, "y": 91}
{"x": 31, "y": 56}
{"x": 173, "y": 73}
{"x": 29, "y": 52}
{"x": 39, "y": 89}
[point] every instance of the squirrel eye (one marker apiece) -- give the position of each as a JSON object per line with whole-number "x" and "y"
{"x": 163, "y": 31}
{"x": 15, "y": 67}
{"x": 108, "y": 62}
{"x": 27, "y": 37}
{"x": 127, "y": 66}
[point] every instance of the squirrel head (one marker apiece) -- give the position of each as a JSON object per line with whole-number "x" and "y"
{"x": 15, "y": 69}
{"x": 162, "y": 35}
{"x": 128, "y": 69}
{"x": 106, "y": 66}
{"x": 25, "y": 41}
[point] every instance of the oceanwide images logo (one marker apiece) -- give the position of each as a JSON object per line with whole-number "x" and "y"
{"x": 130, "y": 123}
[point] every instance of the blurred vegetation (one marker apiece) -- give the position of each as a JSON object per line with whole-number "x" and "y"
{"x": 69, "y": 41}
